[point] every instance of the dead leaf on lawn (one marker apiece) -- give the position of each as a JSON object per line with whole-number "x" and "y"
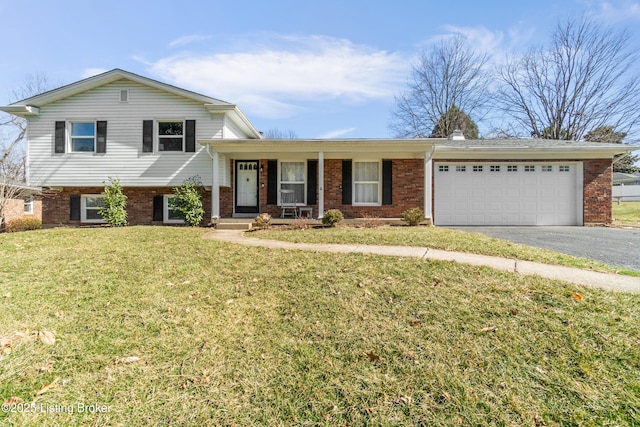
{"x": 403, "y": 400}
{"x": 576, "y": 296}
{"x": 13, "y": 399}
{"x": 46, "y": 388}
{"x": 47, "y": 337}
{"x": 130, "y": 359}
{"x": 372, "y": 356}
{"x": 489, "y": 329}
{"x": 48, "y": 367}
{"x": 7, "y": 295}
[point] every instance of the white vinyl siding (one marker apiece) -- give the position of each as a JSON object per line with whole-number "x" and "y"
{"x": 124, "y": 158}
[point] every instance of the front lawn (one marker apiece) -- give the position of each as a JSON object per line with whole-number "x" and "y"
{"x": 436, "y": 238}
{"x": 626, "y": 213}
{"x": 161, "y": 327}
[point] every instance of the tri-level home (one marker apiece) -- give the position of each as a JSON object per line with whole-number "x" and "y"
{"x": 152, "y": 136}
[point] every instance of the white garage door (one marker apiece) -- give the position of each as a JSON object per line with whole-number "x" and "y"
{"x": 507, "y": 194}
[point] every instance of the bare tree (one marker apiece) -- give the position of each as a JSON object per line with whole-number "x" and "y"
{"x": 13, "y": 129}
{"x": 451, "y": 75}
{"x": 274, "y": 133}
{"x": 584, "y": 79}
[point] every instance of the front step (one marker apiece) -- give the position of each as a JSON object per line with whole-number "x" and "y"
{"x": 234, "y": 226}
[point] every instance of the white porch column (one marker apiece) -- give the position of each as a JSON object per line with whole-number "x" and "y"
{"x": 428, "y": 168}
{"x": 320, "y": 184}
{"x": 215, "y": 186}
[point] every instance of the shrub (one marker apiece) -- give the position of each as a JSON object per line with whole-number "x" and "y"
{"x": 300, "y": 224}
{"x": 332, "y": 217}
{"x": 115, "y": 204}
{"x": 187, "y": 201}
{"x": 413, "y": 216}
{"x": 263, "y": 220}
{"x": 23, "y": 224}
{"x": 370, "y": 221}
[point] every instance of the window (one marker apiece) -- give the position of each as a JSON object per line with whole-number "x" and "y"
{"x": 547, "y": 168}
{"x": 461, "y": 168}
{"x": 442, "y": 168}
{"x": 292, "y": 177}
{"x": 170, "y": 136}
{"x": 564, "y": 168}
{"x": 170, "y": 217}
{"x": 477, "y": 168}
{"x": 124, "y": 95}
{"x": 529, "y": 168}
{"x": 83, "y": 136}
{"x": 28, "y": 205}
{"x": 494, "y": 168}
{"x": 366, "y": 183}
{"x": 90, "y": 205}
{"x": 512, "y": 168}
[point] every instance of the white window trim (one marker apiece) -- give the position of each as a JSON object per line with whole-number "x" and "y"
{"x": 69, "y": 136}
{"x": 157, "y": 138}
{"x": 83, "y": 209}
{"x": 378, "y": 182}
{"x": 28, "y": 205}
{"x": 280, "y": 182}
{"x": 120, "y": 93}
{"x": 165, "y": 211}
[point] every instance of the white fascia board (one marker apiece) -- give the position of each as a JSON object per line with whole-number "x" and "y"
{"x": 527, "y": 153}
{"x": 332, "y": 148}
{"x": 21, "y": 110}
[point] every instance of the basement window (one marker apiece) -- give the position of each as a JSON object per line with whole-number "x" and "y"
{"x": 90, "y": 208}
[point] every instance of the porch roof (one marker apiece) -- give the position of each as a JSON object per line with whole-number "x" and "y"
{"x": 388, "y": 147}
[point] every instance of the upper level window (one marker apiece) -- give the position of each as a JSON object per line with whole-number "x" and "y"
{"x": 292, "y": 177}
{"x": 366, "y": 183}
{"x": 170, "y": 136}
{"x": 83, "y": 137}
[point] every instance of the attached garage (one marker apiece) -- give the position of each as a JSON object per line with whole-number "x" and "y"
{"x": 508, "y": 193}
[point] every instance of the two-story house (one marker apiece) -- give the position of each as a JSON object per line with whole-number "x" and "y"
{"x": 152, "y": 136}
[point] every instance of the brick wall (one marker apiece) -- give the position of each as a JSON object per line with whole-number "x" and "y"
{"x": 56, "y": 206}
{"x": 15, "y": 209}
{"x": 597, "y": 191}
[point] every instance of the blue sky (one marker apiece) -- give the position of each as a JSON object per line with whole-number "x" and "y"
{"x": 322, "y": 69}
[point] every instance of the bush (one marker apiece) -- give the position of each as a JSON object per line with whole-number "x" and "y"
{"x": 23, "y": 224}
{"x": 187, "y": 201}
{"x": 115, "y": 204}
{"x": 300, "y": 224}
{"x": 332, "y": 217}
{"x": 263, "y": 220}
{"x": 413, "y": 216}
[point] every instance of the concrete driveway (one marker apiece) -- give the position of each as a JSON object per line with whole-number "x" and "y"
{"x": 614, "y": 246}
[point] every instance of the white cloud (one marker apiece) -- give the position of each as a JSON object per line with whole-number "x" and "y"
{"x": 614, "y": 12}
{"x": 90, "y": 72}
{"x": 284, "y": 70}
{"x": 336, "y": 133}
{"x": 184, "y": 40}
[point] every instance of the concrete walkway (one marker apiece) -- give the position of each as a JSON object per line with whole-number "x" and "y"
{"x": 612, "y": 282}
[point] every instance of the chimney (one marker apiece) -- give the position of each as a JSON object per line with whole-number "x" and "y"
{"x": 457, "y": 135}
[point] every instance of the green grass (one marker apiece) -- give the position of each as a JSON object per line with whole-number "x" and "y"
{"x": 436, "y": 238}
{"x": 626, "y": 213}
{"x": 234, "y": 335}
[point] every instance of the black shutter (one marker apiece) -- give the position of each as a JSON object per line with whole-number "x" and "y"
{"x": 346, "y": 182}
{"x": 190, "y": 137}
{"x": 59, "y": 137}
{"x": 387, "y": 183}
{"x": 101, "y": 143}
{"x": 158, "y": 208}
{"x": 74, "y": 208}
{"x": 312, "y": 181}
{"x": 272, "y": 182}
{"x": 147, "y": 136}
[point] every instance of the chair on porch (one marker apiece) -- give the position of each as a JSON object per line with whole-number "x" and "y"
{"x": 288, "y": 203}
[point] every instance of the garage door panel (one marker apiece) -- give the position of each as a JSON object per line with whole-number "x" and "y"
{"x": 501, "y": 194}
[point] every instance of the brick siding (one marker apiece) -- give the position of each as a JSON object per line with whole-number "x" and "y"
{"x": 56, "y": 206}
{"x": 597, "y": 191}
